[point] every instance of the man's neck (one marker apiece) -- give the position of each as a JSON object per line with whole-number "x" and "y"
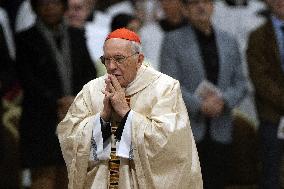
{"x": 175, "y": 20}
{"x": 53, "y": 28}
{"x": 204, "y": 28}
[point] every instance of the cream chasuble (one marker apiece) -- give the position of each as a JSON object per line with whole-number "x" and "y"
{"x": 162, "y": 144}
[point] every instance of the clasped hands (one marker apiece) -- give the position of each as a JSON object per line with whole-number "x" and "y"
{"x": 114, "y": 99}
{"x": 212, "y": 105}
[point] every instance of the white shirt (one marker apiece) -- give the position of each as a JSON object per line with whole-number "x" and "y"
{"x": 101, "y": 150}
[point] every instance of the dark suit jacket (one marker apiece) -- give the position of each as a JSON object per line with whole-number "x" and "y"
{"x": 265, "y": 70}
{"x": 7, "y": 75}
{"x": 42, "y": 88}
{"x": 7, "y": 78}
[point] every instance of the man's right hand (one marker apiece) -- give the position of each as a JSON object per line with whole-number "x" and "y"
{"x": 107, "y": 110}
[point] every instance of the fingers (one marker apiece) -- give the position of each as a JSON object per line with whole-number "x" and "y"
{"x": 112, "y": 89}
{"x": 115, "y": 83}
{"x": 212, "y": 106}
{"x": 115, "y": 96}
{"x": 112, "y": 85}
{"x": 108, "y": 83}
{"x": 107, "y": 94}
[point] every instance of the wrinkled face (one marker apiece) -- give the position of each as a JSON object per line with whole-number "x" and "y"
{"x": 77, "y": 12}
{"x": 199, "y": 11}
{"x": 50, "y": 11}
{"x": 277, "y": 7}
{"x": 129, "y": 61}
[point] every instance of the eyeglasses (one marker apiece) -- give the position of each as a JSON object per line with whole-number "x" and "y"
{"x": 119, "y": 59}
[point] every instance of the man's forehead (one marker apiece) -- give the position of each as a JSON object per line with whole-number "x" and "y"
{"x": 117, "y": 42}
{"x": 117, "y": 45}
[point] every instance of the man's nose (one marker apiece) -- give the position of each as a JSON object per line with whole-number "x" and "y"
{"x": 112, "y": 65}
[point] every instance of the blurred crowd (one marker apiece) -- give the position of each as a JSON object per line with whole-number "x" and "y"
{"x": 51, "y": 48}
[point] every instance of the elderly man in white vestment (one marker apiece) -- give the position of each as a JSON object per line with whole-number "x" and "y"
{"x": 129, "y": 129}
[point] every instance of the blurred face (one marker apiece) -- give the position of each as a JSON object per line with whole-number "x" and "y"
{"x": 50, "y": 11}
{"x": 134, "y": 25}
{"x": 121, "y": 60}
{"x": 277, "y": 7}
{"x": 171, "y": 7}
{"x": 91, "y": 3}
{"x": 199, "y": 12}
{"x": 77, "y": 12}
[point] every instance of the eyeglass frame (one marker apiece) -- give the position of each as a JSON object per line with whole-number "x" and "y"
{"x": 119, "y": 62}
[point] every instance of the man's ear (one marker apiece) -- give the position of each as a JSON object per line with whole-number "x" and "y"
{"x": 140, "y": 59}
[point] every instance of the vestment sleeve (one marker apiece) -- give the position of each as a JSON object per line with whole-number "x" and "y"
{"x": 75, "y": 133}
{"x": 163, "y": 144}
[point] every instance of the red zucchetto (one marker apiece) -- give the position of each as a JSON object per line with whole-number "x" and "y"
{"x": 124, "y": 33}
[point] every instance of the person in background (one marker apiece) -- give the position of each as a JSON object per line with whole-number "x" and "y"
{"x": 124, "y": 20}
{"x": 152, "y": 33}
{"x": 127, "y": 128}
{"x": 120, "y": 6}
{"x": 53, "y": 64}
{"x": 91, "y": 8}
{"x": 77, "y": 13}
{"x": 240, "y": 18}
{"x": 7, "y": 78}
{"x": 9, "y": 166}
{"x": 207, "y": 63}
{"x": 265, "y": 57}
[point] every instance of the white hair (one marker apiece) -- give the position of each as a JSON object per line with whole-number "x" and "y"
{"x": 136, "y": 47}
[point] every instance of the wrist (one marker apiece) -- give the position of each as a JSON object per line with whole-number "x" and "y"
{"x": 124, "y": 112}
{"x": 105, "y": 117}
{"x": 104, "y": 122}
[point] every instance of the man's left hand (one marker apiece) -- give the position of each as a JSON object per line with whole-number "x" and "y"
{"x": 118, "y": 100}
